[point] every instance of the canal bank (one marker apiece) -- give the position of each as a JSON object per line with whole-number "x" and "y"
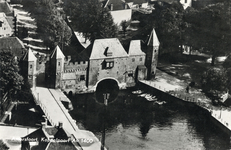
{"x": 171, "y": 88}
{"x": 132, "y": 122}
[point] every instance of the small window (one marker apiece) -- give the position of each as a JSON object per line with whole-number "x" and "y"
{"x": 133, "y": 59}
{"x": 185, "y": 1}
{"x": 140, "y": 58}
{"x": 82, "y": 77}
{"x": 58, "y": 63}
{"x": 30, "y": 66}
{"x": 84, "y": 62}
{"x": 109, "y": 65}
{"x": 78, "y": 62}
{"x": 130, "y": 73}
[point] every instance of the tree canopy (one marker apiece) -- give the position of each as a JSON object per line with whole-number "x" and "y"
{"x": 214, "y": 81}
{"x": 52, "y": 27}
{"x": 209, "y": 29}
{"x": 10, "y": 79}
{"x": 169, "y": 24}
{"x": 91, "y": 19}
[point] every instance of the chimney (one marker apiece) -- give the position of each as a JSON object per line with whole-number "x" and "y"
{"x": 111, "y": 6}
{"x": 60, "y": 125}
{"x": 68, "y": 58}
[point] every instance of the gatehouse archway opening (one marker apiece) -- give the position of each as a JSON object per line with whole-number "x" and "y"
{"x": 107, "y": 89}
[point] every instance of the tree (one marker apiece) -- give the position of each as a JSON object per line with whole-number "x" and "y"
{"x": 3, "y": 146}
{"x": 124, "y": 24}
{"x": 51, "y": 24}
{"x": 210, "y": 30}
{"x": 214, "y": 81}
{"x": 169, "y": 25}
{"x": 89, "y": 18}
{"x": 10, "y": 79}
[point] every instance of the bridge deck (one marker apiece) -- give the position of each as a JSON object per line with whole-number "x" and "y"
{"x": 50, "y": 103}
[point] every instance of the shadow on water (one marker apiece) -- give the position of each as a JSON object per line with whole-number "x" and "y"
{"x": 130, "y": 111}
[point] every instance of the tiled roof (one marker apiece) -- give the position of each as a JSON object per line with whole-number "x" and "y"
{"x": 5, "y": 7}
{"x": 135, "y": 48}
{"x": 111, "y": 45}
{"x": 13, "y": 44}
{"x": 61, "y": 146}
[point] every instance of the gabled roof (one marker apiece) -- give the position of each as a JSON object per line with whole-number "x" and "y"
{"x": 120, "y": 15}
{"x": 10, "y": 20}
{"x": 153, "y": 39}
{"x": 111, "y": 44}
{"x": 135, "y": 48}
{"x": 5, "y": 7}
{"x": 81, "y": 39}
{"x": 29, "y": 56}
{"x": 137, "y": 1}
{"x": 57, "y": 53}
{"x": 117, "y": 4}
{"x": 61, "y": 146}
{"x": 13, "y": 44}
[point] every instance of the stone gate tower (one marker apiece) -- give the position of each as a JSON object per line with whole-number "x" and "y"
{"x": 55, "y": 68}
{"x": 152, "y": 54}
{"x": 29, "y": 67}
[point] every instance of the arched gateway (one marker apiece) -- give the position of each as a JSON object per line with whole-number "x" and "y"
{"x": 107, "y": 89}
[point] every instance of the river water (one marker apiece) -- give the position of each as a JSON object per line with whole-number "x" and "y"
{"x": 132, "y": 122}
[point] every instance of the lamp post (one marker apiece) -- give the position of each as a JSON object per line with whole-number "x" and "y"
{"x": 105, "y": 97}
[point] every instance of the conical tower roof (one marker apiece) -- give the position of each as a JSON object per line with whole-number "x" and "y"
{"x": 29, "y": 56}
{"x": 153, "y": 39}
{"x": 57, "y": 53}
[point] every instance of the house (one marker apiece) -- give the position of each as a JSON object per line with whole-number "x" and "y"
{"x": 14, "y": 44}
{"x": 103, "y": 59}
{"x": 6, "y": 8}
{"x": 119, "y": 10}
{"x": 6, "y": 25}
{"x": 186, "y": 3}
{"x": 50, "y": 138}
{"x": 26, "y": 58}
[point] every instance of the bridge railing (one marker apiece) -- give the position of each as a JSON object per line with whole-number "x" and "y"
{"x": 43, "y": 107}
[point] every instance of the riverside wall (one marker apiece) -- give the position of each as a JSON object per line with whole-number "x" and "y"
{"x": 223, "y": 122}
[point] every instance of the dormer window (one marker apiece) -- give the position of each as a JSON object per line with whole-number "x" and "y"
{"x": 107, "y": 52}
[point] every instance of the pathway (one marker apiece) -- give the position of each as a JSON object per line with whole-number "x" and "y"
{"x": 49, "y": 101}
{"x": 177, "y": 88}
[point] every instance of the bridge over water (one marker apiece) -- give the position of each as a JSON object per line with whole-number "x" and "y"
{"x": 49, "y": 101}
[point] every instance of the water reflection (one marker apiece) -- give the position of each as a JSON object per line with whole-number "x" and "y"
{"x": 134, "y": 123}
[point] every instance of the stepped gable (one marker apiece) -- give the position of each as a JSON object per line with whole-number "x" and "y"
{"x": 14, "y": 44}
{"x": 135, "y": 48}
{"x": 29, "y": 56}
